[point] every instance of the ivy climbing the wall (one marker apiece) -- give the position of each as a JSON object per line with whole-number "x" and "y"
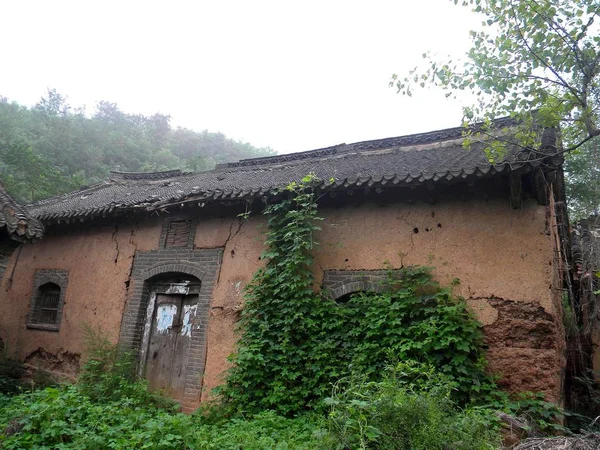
{"x": 295, "y": 343}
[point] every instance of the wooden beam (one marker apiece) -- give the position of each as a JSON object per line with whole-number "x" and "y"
{"x": 516, "y": 190}
{"x": 539, "y": 183}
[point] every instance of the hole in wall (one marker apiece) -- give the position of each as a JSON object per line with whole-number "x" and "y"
{"x": 415, "y": 230}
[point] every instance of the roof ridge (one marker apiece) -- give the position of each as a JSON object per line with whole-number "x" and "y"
{"x": 120, "y": 176}
{"x": 375, "y": 144}
{"x": 296, "y": 156}
{"x": 91, "y": 187}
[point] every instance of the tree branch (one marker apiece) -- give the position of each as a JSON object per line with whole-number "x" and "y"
{"x": 542, "y": 60}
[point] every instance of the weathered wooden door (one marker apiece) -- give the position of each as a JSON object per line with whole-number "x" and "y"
{"x": 169, "y": 343}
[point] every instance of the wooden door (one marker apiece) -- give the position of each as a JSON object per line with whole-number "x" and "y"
{"x": 169, "y": 345}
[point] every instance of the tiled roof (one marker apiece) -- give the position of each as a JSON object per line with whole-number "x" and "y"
{"x": 16, "y": 221}
{"x": 407, "y": 160}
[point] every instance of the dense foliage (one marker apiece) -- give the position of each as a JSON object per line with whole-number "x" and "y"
{"x": 391, "y": 414}
{"x": 53, "y": 148}
{"x": 296, "y": 343}
{"x": 409, "y": 409}
{"x": 582, "y": 171}
{"x": 110, "y": 408}
{"x": 66, "y": 418}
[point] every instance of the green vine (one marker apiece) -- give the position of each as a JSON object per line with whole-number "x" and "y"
{"x": 296, "y": 343}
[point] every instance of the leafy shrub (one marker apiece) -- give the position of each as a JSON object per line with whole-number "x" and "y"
{"x": 14, "y": 377}
{"x": 265, "y": 430}
{"x": 109, "y": 407}
{"x": 109, "y": 374}
{"x": 407, "y": 410}
{"x": 544, "y": 417}
{"x": 11, "y": 372}
{"x": 67, "y": 418}
{"x": 414, "y": 319}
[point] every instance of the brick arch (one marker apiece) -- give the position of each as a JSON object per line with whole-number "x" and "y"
{"x": 181, "y": 266}
{"x": 59, "y": 278}
{"x": 338, "y": 283}
{"x": 355, "y": 286}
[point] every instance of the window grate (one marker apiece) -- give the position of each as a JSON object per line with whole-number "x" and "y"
{"x": 47, "y": 299}
{"x": 48, "y": 316}
{"x": 50, "y": 299}
{"x": 47, "y": 304}
{"x": 48, "y": 307}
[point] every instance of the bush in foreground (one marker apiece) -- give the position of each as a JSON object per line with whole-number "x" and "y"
{"x": 410, "y": 409}
{"x": 65, "y": 418}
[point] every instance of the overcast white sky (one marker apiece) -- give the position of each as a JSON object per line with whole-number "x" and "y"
{"x": 290, "y": 75}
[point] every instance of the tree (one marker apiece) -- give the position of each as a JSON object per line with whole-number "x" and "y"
{"x": 533, "y": 55}
{"x": 582, "y": 171}
{"x": 54, "y": 148}
{"x": 54, "y": 104}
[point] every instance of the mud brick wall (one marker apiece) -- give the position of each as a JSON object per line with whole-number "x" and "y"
{"x": 7, "y": 247}
{"x": 504, "y": 258}
{"x": 523, "y": 342}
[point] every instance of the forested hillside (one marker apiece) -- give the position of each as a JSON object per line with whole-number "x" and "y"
{"x": 54, "y": 148}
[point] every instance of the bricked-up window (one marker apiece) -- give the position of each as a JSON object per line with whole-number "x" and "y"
{"x": 178, "y": 233}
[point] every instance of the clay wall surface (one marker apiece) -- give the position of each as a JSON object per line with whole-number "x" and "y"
{"x": 502, "y": 257}
{"x": 7, "y": 247}
{"x": 98, "y": 261}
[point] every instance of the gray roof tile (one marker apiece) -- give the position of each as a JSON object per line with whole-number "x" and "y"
{"x": 16, "y": 220}
{"x": 407, "y": 160}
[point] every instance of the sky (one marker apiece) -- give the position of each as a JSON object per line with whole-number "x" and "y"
{"x": 290, "y": 75}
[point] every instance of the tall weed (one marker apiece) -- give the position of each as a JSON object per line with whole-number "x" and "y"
{"x": 407, "y": 410}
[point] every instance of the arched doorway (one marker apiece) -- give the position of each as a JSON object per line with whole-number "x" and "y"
{"x": 168, "y": 331}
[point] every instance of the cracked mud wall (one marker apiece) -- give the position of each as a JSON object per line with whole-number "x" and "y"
{"x": 7, "y": 248}
{"x": 62, "y": 365}
{"x": 524, "y": 347}
{"x": 503, "y": 258}
{"x": 98, "y": 261}
{"x": 243, "y": 242}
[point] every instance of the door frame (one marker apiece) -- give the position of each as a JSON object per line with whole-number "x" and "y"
{"x": 161, "y": 287}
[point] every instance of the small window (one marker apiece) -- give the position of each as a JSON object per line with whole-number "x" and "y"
{"x": 178, "y": 233}
{"x": 48, "y": 302}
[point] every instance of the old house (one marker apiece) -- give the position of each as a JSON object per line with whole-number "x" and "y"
{"x": 159, "y": 261}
